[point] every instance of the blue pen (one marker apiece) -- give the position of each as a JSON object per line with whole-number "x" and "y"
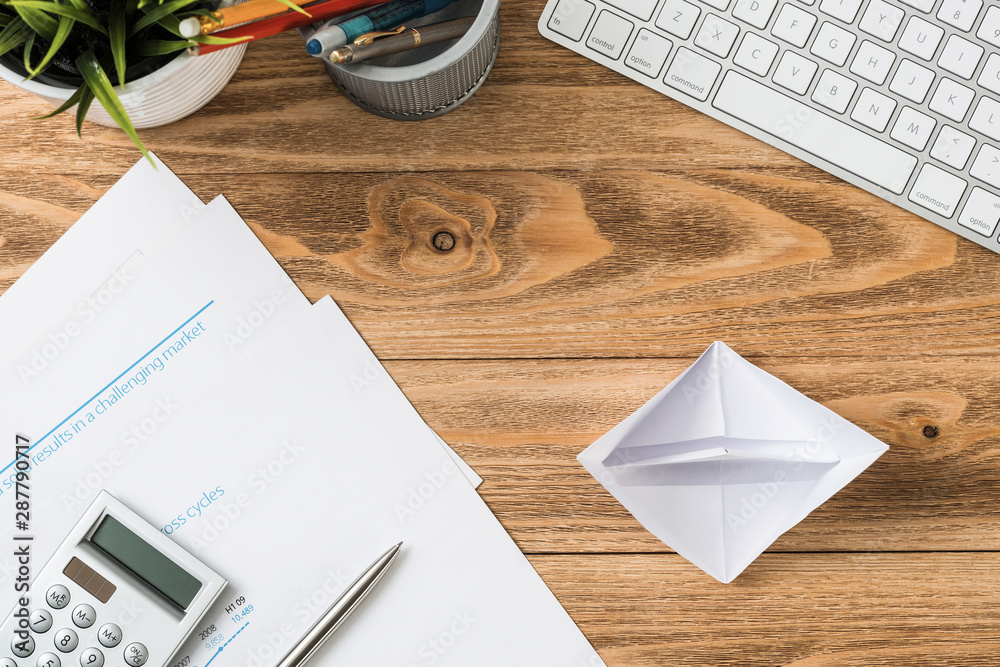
{"x": 383, "y": 17}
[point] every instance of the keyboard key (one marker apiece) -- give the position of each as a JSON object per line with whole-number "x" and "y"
{"x": 913, "y": 128}
{"x": 912, "y": 81}
{"x": 937, "y": 190}
{"x": 648, "y": 53}
{"x": 923, "y": 5}
{"x": 952, "y": 99}
{"x": 793, "y": 25}
{"x": 641, "y": 9}
{"x": 825, "y": 137}
{"x": 989, "y": 31}
{"x": 756, "y": 54}
{"x": 990, "y": 78}
{"x": 981, "y": 212}
{"x": 881, "y": 20}
{"x": 833, "y": 44}
{"x": 717, "y": 35}
{"x": 794, "y": 72}
{"x": 987, "y": 165}
{"x": 872, "y": 62}
{"x": 960, "y": 57}
{"x": 953, "y": 147}
{"x": 960, "y": 13}
{"x": 834, "y": 91}
{"x": 717, "y": 4}
{"x": 921, "y": 38}
{"x": 678, "y": 18}
{"x": 845, "y": 10}
{"x": 755, "y": 12}
{"x": 610, "y": 34}
{"x": 986, "y": 118}
{"x": 692, "y": 73}
{"x": 873, "y": 109}
{"x": 570, "y": 18}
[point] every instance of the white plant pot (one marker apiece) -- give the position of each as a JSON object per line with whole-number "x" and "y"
{"x": 178, "y": 89}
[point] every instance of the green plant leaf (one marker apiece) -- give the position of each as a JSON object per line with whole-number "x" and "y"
{"x": 62, "y": 32}
{"x": 14, "y": 35}
{"x": 171, "y": 24}
{"x": 159, "y": 47}
{"x": 68, "y": 104}
{"x": 37, "y": 20}
{"x": 45, "y": 7}
{"x": 86, "y": 97}
{"x": 29, "y": 44}
{"x": 158, "y": 12}
{"x": 130, "y": 8}
{"x": 295, "y": 7}
{"x": 98, "y": 83}
{"x": 212, "y": 39}
{"x": 4, "y": 20}
{"x": 116, "y": 35}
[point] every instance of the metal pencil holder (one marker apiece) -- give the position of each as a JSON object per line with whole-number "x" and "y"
{"x": 431, "y": 80}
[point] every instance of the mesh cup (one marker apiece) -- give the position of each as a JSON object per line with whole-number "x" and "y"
{"x": 431, "y": 80}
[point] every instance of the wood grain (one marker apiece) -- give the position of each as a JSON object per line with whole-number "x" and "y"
{"x": 522, "y": 423}
{"x": 801, "y": 610}
{"x": 605, "y": 236}
{"x": 594, "y": 264}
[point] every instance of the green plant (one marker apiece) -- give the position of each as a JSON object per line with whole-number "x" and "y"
{"x": 95, "y": 44}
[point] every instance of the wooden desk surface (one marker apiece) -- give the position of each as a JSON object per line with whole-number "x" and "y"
{"x": 607, "y": 235}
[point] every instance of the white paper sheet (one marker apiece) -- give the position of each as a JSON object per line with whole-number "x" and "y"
{"x": 725, "y": 459}
{"x": 139, "y": 210}
{"x": 169, "y": 320}
{"x": 288, "y": 476}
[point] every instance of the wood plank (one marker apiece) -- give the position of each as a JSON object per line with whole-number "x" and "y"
{"x": 591, "y": 264}
{"x": 520, "y": 424}
{"x": 805, "y": 610}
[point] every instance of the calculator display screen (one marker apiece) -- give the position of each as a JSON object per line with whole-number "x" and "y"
{"x": 146, "y": 562}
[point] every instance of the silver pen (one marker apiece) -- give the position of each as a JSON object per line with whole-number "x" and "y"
{"x": 339, "y": 611}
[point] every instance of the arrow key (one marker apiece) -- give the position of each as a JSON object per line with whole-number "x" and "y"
{"x": 953, "y": 147}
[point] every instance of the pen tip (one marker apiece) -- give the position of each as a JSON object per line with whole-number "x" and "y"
{"x": 313, "y": 47}
{"x": 189, "y": 27}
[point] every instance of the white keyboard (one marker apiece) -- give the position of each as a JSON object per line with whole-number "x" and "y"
{"x": 899, "y": 97}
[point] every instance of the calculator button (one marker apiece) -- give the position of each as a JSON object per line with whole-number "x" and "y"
{"x": 109, "y": 635}
{"x": 84, "y": 616}
{"x": 48, "y": 660}
{"x": 40, "y": 621}
{"x": 7, "y": 662}
{"x": 66, "y": 640}
{"x": 92, "y": 657}
{"x": 22, "y": 648}
{"x": 57, "y": 596}
{"x": 136, "y": 654}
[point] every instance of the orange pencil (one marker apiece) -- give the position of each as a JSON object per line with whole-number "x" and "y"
{"x": 290, "y": 20}
{"x": 226, "y": 17}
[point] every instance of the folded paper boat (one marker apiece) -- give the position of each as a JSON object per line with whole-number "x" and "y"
{"x": 725, "y": 459}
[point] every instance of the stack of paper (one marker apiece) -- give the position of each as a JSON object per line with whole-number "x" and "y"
{"x": 180, "y": 369}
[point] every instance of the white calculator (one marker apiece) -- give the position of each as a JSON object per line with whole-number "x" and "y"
{"x": 116, "y": 592}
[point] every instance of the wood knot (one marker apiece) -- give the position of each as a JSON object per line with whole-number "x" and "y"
{"x": 930, "y": 431}
{"x": 443, "y": 241}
